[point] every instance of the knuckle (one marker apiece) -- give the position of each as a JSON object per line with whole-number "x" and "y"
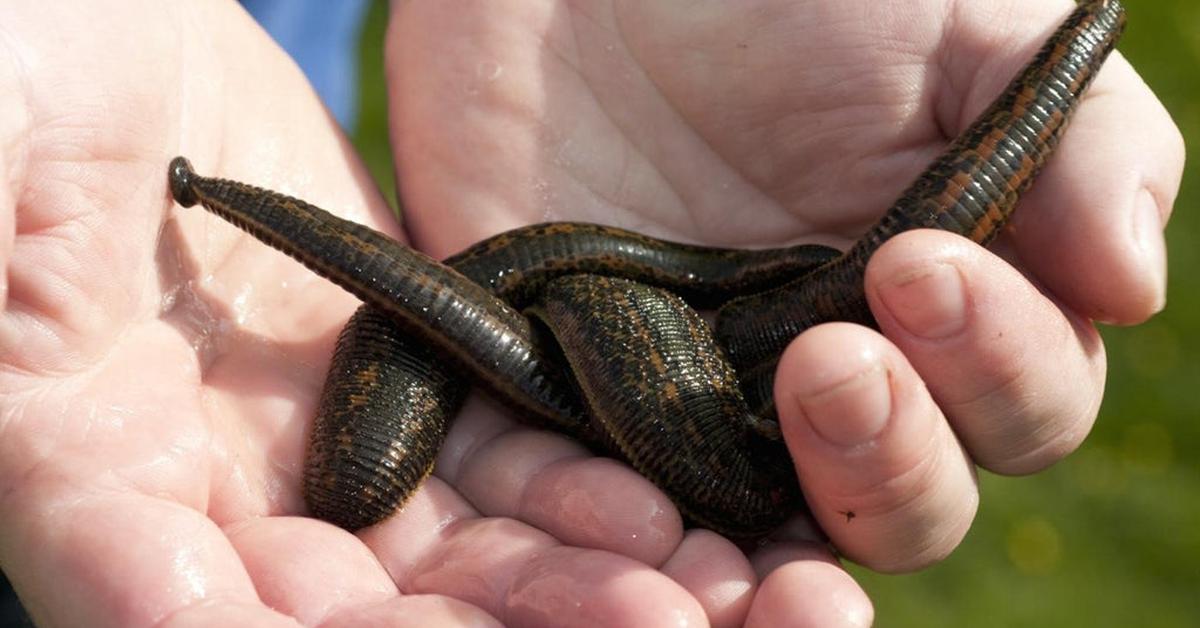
{"x": 1019, "y": 427}
{"x": 1030, "y": 409}
{"x": 910, "y": 520}
{"x": 1043, "y": 439}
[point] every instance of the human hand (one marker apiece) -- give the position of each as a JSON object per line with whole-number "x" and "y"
{"x": 771, "y": 122}
{"x": 158, "y": 369}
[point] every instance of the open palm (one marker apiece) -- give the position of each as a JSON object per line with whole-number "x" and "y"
{"x": 158, "y": 370}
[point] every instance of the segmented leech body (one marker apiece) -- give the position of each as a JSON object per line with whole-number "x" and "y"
{"x": 381, "y": 420}
{"x": 361, "y": 456}
{"x": 669, "y": 403}
{"x": 368, "y": 443}
{"x": 517, "y": 264}
{"x": 455, "y": 316}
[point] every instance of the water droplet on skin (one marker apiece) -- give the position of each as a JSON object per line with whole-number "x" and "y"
{"x": 489, "y": 70}
{"x": 547, "y": 197}
{"x": 562, "y": 153}
{"x": 241, "y": 303}
{"x": 485, "y": 72}
{"x": 169, "y": 298}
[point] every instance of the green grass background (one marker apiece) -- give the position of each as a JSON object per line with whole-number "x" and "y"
{"x": 1111, "y": 536}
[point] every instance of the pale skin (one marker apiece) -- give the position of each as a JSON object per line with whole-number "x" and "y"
{"x": 158, "y": 369}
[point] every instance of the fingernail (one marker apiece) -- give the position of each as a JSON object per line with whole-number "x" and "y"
{"x": 929, "y": 301}
{"x": 853, "y": 411}
{"x": 1148, "y": 236}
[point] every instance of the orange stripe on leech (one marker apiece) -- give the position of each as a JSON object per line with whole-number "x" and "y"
{"x": 1029, "y": 91}
{"x": 987, "y": 146}
{"x": 1079, "y": 78}
{"x": 1060, "y": 52}
{"x": 1052, "y": 126}
{"x": 368, "y": 377}
{"x": 991, "y": 220}
{"x": 983, "y": 224}
{"x": 1020, "y": 104}
{"x": 953, "y": 191}
{"x": 997, "y": 211}
{"x": 670, "y": 392}
{"x": 1023, "y": 173}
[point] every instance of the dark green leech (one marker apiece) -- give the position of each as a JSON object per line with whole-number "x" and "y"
{"x": 450, "y": 313}
{"x": 667, "y": 399}
{"x": 516, "y": 264}
{"x": 349, "y": 262}
{"x": 352, "y": 475}
{"x": 381, "y": 421}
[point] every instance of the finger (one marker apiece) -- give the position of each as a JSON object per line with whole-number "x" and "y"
{"x": 880, "y": 468}
{"x": 831, "y": 597}
{"x": 336, "y": 581}
{"x": 107, "y": 558}
{"x": 414, "y": 611}
{"x": 807, "y": 592}
{"x": 335, "y": 571}
{"x": 227, "y": 614}
{"x": 777, "y": 553}
{"x": 1091, "y": 228}
{"x": 554, "y": 484}
{"x": 1019, "y": 378}
{"x": 520, "y": 575}
{"x": 716, "y": 573}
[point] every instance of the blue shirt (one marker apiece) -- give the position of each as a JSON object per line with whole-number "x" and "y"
{"x": 322, "y": 36}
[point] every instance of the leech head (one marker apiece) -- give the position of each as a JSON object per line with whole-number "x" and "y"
{"x": 180, "y": 174}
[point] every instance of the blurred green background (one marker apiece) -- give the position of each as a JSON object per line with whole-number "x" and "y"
{"x": 1111, "y": 536}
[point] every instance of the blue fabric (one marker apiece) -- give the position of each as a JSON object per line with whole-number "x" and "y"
{"x": 322, "y": 36}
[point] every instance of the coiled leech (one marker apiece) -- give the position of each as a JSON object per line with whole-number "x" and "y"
{"x": 364, "y": 454}
{"x": 970, "y": 190}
